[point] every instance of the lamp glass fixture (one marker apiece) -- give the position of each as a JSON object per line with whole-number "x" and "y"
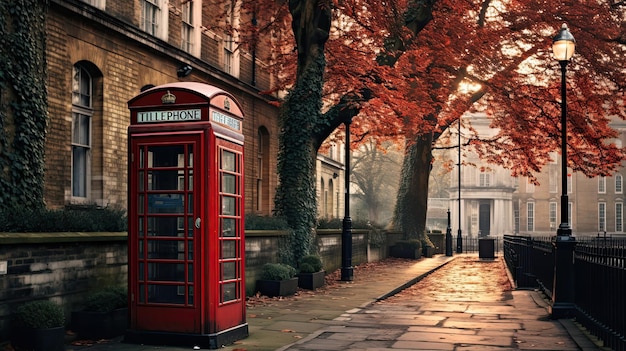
{"x": 563, "y": 44}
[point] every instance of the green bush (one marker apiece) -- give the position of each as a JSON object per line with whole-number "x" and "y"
{"x": 256, "y": 222}
{"x": 71, "y": 219}
{"x": 410, "y": 243}
{"x": 277, "y": 271}
{"x": 107, "y": 300}
{"x": 42, "y": 314}
{"x": 337, "y": 223}
{"x": 311, "y": 264}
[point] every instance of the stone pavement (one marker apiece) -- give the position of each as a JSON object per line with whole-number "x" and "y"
{"x": 465, "y": 304}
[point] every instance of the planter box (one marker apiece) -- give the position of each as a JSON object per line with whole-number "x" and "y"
{"x": 402, "y": 251}
{"x": 273, "y": 288}
{"x": 100, "y": 325}
{"x": 51, "y": 339}
{"x": 311, "y": 281}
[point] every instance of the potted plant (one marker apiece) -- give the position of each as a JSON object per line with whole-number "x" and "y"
{"x": 39, "y": 326}
{"x": 410, "y": 248}
{"x": 277, "y": 279}
{"x": 428, "y": 248}
{"x": 104, "y": 315}
{"x": 311, "y": 274}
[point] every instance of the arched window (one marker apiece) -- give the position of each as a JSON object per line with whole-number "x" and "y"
{"x": 82, "y": 112}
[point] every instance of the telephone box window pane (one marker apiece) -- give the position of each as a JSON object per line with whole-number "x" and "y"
{"x": 190, "y": 272}
{"x": 165, "y": 294}
{"x": 160, "y": 249}
{"x": 141, "y": 157}
{"x": 228, "y": 249}
{"x": 165, "y": 156}
{"x": 190, "y": 226}
{"x": 228, "y": 227}
{"x": 190, "y": 185}
{"x": 168, "y": 272}
{"x": 140, "y": 181}
{"x": 165, "y": 203}
{"x": 141, "y": 249}
{"x": 163, "y": 226}
{"x": 228, "y": 205}
{"x": 141, "y": 267}
{"x": 141, "y": 293}
{"x": 190, "y": 250}
{"x": 228, "y": 161}
{"x": 164, "y": 180}
{"x": 140, "y": 226}
{"x": 140, "y": 208}
{"x": 228, "y": 184}
{"x": 229, "y": 270}
{"x": 190, "y": 203}
{"x": 190, "y": 296}
{"x": 229, "y": 292}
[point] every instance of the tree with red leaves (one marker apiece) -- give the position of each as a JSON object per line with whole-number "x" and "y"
{"x": 396, "y": 70}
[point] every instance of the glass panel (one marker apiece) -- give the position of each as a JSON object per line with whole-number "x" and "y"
{"x": 190, "y": 226}
{"x": 228, "y": 227}
{"x": 140, "y": 204}
{"x": 228, "y": 249}
{"x": 140, "y": 181}
{"x": 190, "y": 185}
{"x": 229, "y": 292}
{"x": 229, "y": 270}
{"x": 164, "y": 180}
{"x": 140, "y": 226}
{"x": 190, "y": 272}
{"x": 142, "y": 294}
{"x": 228, "y": 161}
{"x": 161, "y": 249}
{"x": 190, "y": 295}
{"x": 141, "y": 157}
{"x": 140, "y": 247}
{"x": 165, "y": 203}
{"x": 169, "y": 272}
{"x": 163, "y": 226}
{"x": 141, "y": 270}
{"x": 165, "y": 156}
{"x": 165, "y": 294}
{"x": 190, "y": 203}
{"x": 228, "y": 183}
{"x": 190, "y": 250}
{"x": 228, "y": 206}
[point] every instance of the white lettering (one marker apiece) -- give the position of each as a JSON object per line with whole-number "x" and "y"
{"x": 169, "y": 116}
{"x": 226, "y": 120}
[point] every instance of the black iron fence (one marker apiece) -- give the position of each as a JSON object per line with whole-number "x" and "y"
{"x": 600, "y": 279}
{"x": 472, "y": 244}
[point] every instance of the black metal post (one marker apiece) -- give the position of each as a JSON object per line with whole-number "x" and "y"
{"x": 449, "y": 237}
{"x": 347, "y": 271}
{"x": 564, "y": 243}
{"x": 459, "y": 238}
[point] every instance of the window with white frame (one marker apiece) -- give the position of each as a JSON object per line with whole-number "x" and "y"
{"x": 530, "y": 218}
{"x": 602, "y": 185}
{"x": 484, "y": 179}
{"x": 554, "y": 179}
{"x": 154, "y": 17}
{"x": 96, "y": 3}
{"x": 619, "y": 217}
{"x": 190, "y": 36}
{"x": 601, "y": 216}
{"x": 618, "y": 184}
{"x": 231, "y": 54}
{"x": 552, "y": 215}
{"x": 82, "y": 112}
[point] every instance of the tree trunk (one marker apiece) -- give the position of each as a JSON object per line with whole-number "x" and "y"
{"x": 412, "y": 204}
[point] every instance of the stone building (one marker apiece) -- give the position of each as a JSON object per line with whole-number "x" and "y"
{"x": 101, "y": 53}
{"x": 494, "y": 203}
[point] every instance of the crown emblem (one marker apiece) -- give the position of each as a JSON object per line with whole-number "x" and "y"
{"x": 227, "y": 104}
{"x": 168, "y": 98}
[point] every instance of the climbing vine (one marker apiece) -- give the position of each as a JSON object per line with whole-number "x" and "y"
{"x": 23, "y": 103}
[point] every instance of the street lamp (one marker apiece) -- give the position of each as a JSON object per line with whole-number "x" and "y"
{"x": 347, "y": 271}
{"x": 563, "y": 46}
{"x": 459, "y": 238}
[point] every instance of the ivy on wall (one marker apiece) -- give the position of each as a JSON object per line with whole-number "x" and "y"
{"x": 23, "y": 103}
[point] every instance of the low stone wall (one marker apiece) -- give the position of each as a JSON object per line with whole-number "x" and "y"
{"x": 64, "y": 267}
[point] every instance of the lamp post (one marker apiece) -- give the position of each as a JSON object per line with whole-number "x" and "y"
{"x": 459, "y": 238}
{"x": 347, "y": 271}
{"x": 563, "y": 47}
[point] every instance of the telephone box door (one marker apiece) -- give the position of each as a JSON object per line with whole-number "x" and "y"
{"x": 166, "y": 212}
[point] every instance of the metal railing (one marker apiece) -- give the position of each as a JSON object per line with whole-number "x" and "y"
{"x": 600, "y": 279}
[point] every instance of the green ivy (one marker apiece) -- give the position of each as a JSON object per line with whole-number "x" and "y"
{"x": 23, "y": 104}
{"x": 296, "y": 198}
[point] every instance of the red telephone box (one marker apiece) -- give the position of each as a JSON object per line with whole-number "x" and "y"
{"x": 185, "y": 217}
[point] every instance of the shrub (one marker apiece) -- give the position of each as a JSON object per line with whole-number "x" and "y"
{"x": 410, "y": 243}
{"x": 256, "y": 222}
{"x": 71, "y": 219}
{"x": 107, "y": 300}
{"x": 311, "y": 264}
{"x": 277, "y": 271}
{"x": 42, "y": 314}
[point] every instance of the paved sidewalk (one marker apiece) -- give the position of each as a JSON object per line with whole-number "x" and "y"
{"x": 452, "y": 309}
